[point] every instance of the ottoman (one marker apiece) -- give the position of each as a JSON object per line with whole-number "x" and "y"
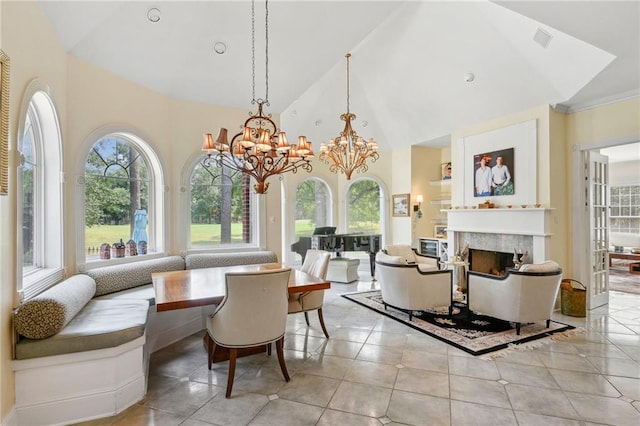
{"x": 343, "y": 270}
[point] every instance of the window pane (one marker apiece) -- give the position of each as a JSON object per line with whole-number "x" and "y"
{"x": 220, "y": 206}
{"x": 312, "y": 207}
{"x": 364, "y": 207}
{"x": 28, "y": 195}
{"x": 116, "y": 193}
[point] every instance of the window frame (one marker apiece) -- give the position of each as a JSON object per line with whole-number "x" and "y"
{"x": 258, "y": 211}
{"x": 157, "y": 204}
{"x": 39, "y": 110}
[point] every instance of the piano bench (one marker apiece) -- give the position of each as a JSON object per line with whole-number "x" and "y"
{"x": 343, "y": 270}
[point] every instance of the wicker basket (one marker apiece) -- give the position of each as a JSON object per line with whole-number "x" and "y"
{"x": 573, "y": 300}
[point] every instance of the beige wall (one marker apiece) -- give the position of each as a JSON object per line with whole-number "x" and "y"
{"x": 425, "y": 168}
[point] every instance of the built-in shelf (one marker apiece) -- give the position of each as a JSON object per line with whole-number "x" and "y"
{"x": 440, "y": 201}
{"x": 443, "y": 182}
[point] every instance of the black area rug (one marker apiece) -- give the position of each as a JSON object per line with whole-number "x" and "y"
{"x": 472, "y": 333}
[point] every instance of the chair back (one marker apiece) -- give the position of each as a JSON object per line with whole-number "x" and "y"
{"x": 254, "y": 309}
{"x": 402, "y": 250}
{"x": 316, "y": 263}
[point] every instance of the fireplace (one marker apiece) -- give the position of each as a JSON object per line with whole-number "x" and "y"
{"x": 501, "y": 230}
{"x": 490, "y": 262}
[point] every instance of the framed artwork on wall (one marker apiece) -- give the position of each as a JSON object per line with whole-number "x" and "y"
{"x": 446, "y": 170}
{"x": 400, "y": 205}
{"x": 4, "y": 123}
{"x": 516, "y": 148}
{"x": 440, "y": 231}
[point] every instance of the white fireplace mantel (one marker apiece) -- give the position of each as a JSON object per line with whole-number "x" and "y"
{"x": 519, "y": 221}
{"x": 524, "y": 224}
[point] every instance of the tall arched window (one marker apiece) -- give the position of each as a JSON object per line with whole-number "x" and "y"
{"x": 123, "y": 198}
{"x": 40, "y": 237}
{"x": 313, "y": 207}
{"x": 363, "y": 207}
{"x": 222, "y": 208}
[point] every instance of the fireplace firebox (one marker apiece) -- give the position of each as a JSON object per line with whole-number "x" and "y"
{"x": 490, "y": 262}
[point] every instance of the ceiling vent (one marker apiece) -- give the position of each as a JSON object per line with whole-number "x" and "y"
{"x": 542, "y": 37}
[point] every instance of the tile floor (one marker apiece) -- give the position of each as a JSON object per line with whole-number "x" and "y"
{"x": 374, "y": 370}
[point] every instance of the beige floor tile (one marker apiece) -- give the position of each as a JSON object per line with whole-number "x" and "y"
{"x": 617, "y": 367}
{"x": 426, "y": 361}
{"x": 287, "y": 413}
{"x": 183, "y": 398}
{"x": 549, "y": 402}
{"x": 628, "y": 387}
{"x": 600, "y": 409}
{"x": 473, "y": 367}
{"x": 530, "y": 419}
{"x": 575, "y": 381}
{"x": 333, "y": 418}
{"x": 469, "y": 414}
{"x": 416, "y": 409}
{"x": 327, "y": 366}
{"x": 341, "y": 348}
{"x": 361, "y": 399}
{"x": 240, "y": 409}
{"x": 486, "y": 392}
{"x": 372, "y": 373}
{"x": 570, "y": 362}
{"x": 350, "y": 334}
{"x": 387, "y": 339}
{"x": 527, "y": 375}
{"x": 382, "y": 354}
{"x": 423, "y": 381}
{"x": 309, "y": 389}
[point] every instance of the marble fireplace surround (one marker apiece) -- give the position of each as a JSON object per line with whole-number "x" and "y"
{"x": 501, "y": 230}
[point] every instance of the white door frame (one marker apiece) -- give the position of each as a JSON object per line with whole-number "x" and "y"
{"x": 580, "y": 211}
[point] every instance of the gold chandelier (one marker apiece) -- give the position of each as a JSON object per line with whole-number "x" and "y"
{"x": 260, "y": 150}
{"x": 348, "y": 152}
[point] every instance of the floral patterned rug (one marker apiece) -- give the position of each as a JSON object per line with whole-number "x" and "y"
{"x": 473, "y": 333}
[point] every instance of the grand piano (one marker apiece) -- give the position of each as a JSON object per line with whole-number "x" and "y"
{"x": 325, "y": 239}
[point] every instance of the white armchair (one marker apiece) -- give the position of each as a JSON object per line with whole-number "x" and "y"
{"x": 408, "y": 287}
{"x": 411, "y": 256}
{"x": 522, "y": 296}
{"x": 316, "y": 263}
{"x": 253, "y": 313}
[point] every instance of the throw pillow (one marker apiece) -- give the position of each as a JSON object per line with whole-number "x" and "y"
{"x": 46, "y": 314}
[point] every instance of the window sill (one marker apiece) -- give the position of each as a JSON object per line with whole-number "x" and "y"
{"x": 38, "y": 280}
{"x": 99, "y": 263}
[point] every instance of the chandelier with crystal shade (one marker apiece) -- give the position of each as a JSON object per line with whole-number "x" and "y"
{"x": 260, "y": 150}
{"x": 348, "y": 152}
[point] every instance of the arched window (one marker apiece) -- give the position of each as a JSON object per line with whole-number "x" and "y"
{"x": 364, "y": 207}
{"x": 313, "y": 207}
{"x": 123, "y": 199}
{"x": 222, "y": 208}
{"x": 40, "y": 237}
{"x": 117, "y": 187}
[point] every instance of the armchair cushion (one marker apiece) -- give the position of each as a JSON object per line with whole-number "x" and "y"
{"x": 546, "y": 266}
{"x": 393, "y": 260}
{"x": 402, "y": 250}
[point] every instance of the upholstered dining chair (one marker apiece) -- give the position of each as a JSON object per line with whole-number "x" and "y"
{"x": 315, "y": 263}
{"x": 253, "y": 313}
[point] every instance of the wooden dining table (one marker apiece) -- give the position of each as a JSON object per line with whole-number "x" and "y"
{"x": 206, "y": 286}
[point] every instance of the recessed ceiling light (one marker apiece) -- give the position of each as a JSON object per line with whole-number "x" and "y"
{"x": 542, "y": 37}
{"x": 219, "y": 47}
{"x": 365, "y": 123}
{"x": 469, "y": 77}
{"x": 318, "y": 122}
{"x": 153, "y": 15}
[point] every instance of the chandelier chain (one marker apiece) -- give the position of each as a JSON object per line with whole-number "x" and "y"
{"x": 266, "y": 52}
{"x": 348, "y": 55}
{"x": 253, "y": 53}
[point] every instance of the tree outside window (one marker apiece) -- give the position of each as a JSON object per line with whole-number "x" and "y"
{"x": 116, "y": 185}
{"x": 363, "y": 208}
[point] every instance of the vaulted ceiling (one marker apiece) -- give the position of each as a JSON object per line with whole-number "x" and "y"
{"x": 410, "y": 65}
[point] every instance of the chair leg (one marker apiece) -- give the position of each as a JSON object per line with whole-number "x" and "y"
{"x": 306, "y": 318}
{"x": 268, "y": 349}
{"x": 518, "y": 328}
{"x": 410, "y": 316}
{"x": 548, "y": 323}
{"x": 233, "y": 353}
{"x": 283, "y": 366}
{"x": 210, "y": 344}
{"x": 321, "y": 319}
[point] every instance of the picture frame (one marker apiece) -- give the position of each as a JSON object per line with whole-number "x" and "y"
{"x": 500, "y": 168}
{"x": 445, "y": 169}
{"x": 400, "y": 205}
{"x": 4, "y": 123}
{"x": 440, "y": 231}
{"x": 522, "y": 138}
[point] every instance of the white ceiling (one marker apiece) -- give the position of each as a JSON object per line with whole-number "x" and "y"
{"x": 409, "y": 59}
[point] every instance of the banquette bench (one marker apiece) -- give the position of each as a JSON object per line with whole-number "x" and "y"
{"x": 82, "y": 347}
